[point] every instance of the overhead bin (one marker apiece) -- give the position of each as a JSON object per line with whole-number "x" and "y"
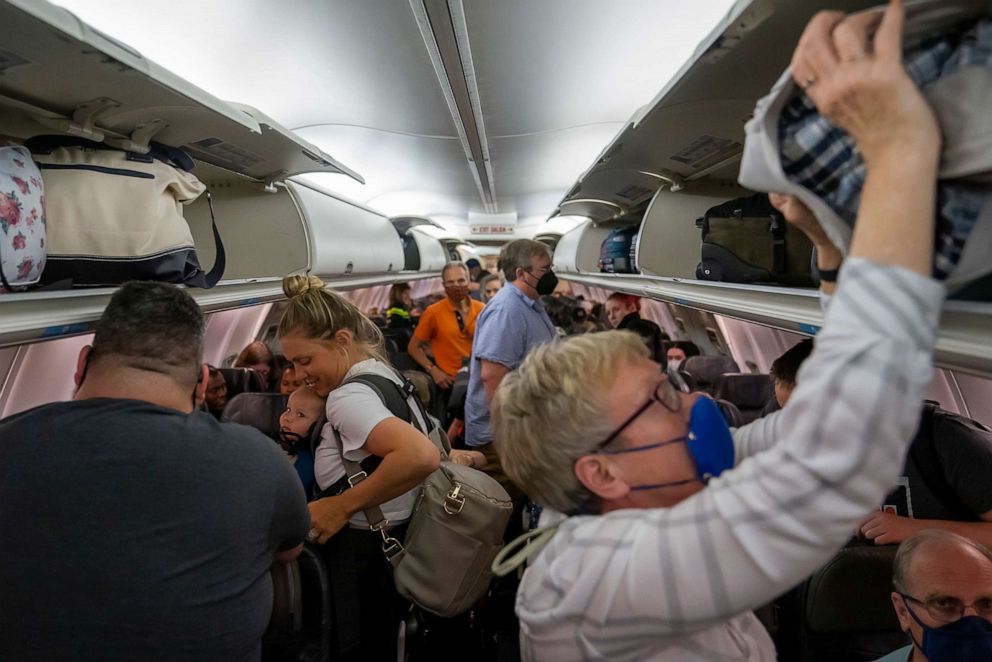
{"x": 431, "y": 253}
{"x": 693, "y": 130}
{"x": 345, "y": 237}
{"x": 421, "y": 251}
{"x": 62, "y": 76}
{"x": 578, "y": 249}
{"x": 669, "y": 241}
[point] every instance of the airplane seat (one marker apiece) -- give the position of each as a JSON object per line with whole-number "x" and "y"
{"x": 300, "y": 626}
{"x": 258, "y": 410}
{"x": 424, "y": 384}
{"x": 730, "y": 412}
{"x": 847, "y": 611}
{"x": 689, "y": 380}
{"x": 770, "y": 407}
{"x": 748, "y": 391}
{"x": 242, "y": 380}
{"x": 706, "y": 370}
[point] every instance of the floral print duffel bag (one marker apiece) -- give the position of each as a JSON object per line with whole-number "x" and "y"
{"x": 22, "y": 219}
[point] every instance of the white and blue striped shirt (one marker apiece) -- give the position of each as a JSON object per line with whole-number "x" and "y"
{"x": 679, "y": 583}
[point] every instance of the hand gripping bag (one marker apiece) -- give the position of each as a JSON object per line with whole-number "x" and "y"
{"x": 115, "y": 216}
{"x": 22, "y": 219}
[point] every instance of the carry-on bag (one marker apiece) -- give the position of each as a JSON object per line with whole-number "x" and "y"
{"x": 747, "y": 240}
{"x": 22, "y": 219}
{"x": 616, "y": 254}
{"x": 444, "y": 563}
{"x": 115, "y": 216}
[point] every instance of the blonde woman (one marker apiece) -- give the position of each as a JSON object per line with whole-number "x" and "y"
{"x": 329, "y": 342}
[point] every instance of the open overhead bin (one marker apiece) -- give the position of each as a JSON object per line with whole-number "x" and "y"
{"x": 62, "y": 76}
{"x": 694, "y": 128}
{"x": 421, "y": 251}
{"x": 345, "y": 237}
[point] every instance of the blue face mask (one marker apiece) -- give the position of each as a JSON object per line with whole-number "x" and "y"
{"x": 709, "y": 443}
{"x": 968, "y": 639}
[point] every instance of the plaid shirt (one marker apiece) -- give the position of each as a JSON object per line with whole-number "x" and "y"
{"x": 823, "y": 158}
{"x": 679, "y": 583}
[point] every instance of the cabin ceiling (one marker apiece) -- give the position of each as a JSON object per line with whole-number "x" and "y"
{"x": 446, "y": 107}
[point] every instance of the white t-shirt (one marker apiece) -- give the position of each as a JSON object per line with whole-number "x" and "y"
{"x": 354, "y": 410}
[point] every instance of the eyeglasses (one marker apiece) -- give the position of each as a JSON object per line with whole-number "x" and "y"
{"x": 461, "y": 321}
{"x": 668, "y": 393}
{"x": 945, "y": 609}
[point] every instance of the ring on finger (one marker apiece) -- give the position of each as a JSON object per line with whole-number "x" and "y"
{"x": 313, "y": 535}
{"x": 856, "y": 57}
{"x": 809, "y": 82}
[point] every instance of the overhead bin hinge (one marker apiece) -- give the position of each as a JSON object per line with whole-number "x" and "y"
{"x": 675, "y": 181}
{"x": 275, "y": 178}
{"x": 84, "y": 117}
{"x": 140, "y": 138}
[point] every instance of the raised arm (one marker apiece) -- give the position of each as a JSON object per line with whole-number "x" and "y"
{"x": 762, "y": 527}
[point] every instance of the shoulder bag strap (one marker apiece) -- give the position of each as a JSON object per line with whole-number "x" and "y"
{"x": 211, "y": 278}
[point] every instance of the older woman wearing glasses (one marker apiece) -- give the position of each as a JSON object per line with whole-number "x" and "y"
{"x": 674, "y": 529}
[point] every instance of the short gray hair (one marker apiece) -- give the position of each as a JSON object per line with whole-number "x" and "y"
{"x": 901, "y": 567}
{"x": 517, "y": 254}
{"x": 552, "y": 410}
{"x": 456, "y": 264}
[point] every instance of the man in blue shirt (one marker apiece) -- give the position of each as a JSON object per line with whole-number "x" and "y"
{"x": 513, "y": 322}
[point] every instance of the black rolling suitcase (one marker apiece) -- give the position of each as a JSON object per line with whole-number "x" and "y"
{"x": 747, "y": 240}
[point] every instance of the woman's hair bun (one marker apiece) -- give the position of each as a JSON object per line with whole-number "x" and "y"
{"x": 293, "y": 286}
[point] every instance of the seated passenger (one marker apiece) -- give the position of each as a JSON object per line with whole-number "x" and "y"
{"x": 943, "y": 598}
{"x": 329, "y": 341}
{"x": 215, "y": 397}
{"x": 289, "y": 382}
{"x": 944, "y": 481}
{"x": 656, "y": 561}
{"x": 624, "y": 312}
{"x": 126, "y": 533}
{"x": 785, "y": 368}
{"x": 303, "y": 410}
{"x": 678, "y": 351}
{"x": 490, "y": 285}
{"x": 259, "y": 357}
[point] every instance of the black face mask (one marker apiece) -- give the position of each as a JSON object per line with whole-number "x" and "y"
{"x": 546, "y": 284}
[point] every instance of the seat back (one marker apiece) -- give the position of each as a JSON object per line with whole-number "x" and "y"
{"x": 847, "y": 608}
{"x": 242, "y": 380}
{"x": 258, "y": 410}
{"x": 730, "y": 412}
{"x": 749, "y": 392}
{"x": 300, "y": 627}
{"x": 705, "y": 370}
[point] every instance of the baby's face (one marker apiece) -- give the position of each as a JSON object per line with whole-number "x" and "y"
{"x": 302, "y": 411}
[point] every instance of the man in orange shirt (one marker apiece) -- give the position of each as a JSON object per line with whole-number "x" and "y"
{"x": 448, "y": 327}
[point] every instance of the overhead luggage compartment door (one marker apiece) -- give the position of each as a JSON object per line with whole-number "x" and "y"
{"x": 346, "y": 238}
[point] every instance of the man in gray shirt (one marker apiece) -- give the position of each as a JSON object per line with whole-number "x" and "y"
{"x": 136, "y": 527}
{"x": 510, "y": 325}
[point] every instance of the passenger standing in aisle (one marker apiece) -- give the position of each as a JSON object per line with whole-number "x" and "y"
{"x": 329, "y": 342}
{"x": 133, "y": 526}
{"x": 509, "y": 326}
{"x": 656, "y": 561}
{"x": 447, "y": 328}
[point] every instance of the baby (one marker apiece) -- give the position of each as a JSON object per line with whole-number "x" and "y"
{"x": 303, "y": 411}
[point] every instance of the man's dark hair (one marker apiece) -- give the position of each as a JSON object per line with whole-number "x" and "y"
{"x": 154, "y": 327}
{"x": 785, "y": 367}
